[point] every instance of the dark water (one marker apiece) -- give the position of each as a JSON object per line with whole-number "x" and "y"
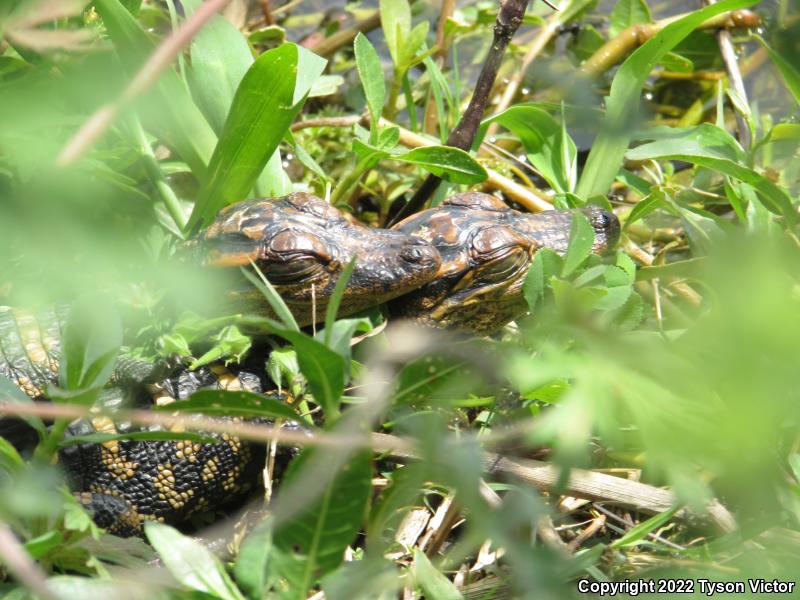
{"x": 764, "y": 89}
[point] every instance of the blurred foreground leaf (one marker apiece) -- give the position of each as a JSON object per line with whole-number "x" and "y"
{"x": 268, "y": 98}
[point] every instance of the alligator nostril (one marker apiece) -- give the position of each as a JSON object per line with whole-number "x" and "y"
{"x": 412, "y": 254}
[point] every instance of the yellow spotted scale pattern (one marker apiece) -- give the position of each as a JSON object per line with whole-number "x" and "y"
{"x": 125, "y": 483}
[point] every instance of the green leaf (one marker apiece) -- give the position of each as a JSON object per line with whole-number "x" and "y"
{"x": 581, "y": 238}
{"x": 10, "y": 460}
{"x": 316, "y": 537}
{"x": 251, "y": 566}
{"x": 190, "y": 562}
{"x": 230, "y": 344}
{"x": 341, "y": 334}
{"x": 369, "y": 70}
{"x": 791, "y": 76}
{"x": 412, "y": 43}
{"x": 282, "y": 366}
{"x": 546, "y": 264}
{"x": 233, "y": 403}
{"x": 220, "y": 58}
{"x": 433, "y": 583}
{"x": 451, "y": 164}
{"x": 263, "y": 109}
{"x": 638, "y": 533}
{"x": 373, "y": 578}
{"x": 323, "y": 368}
{"x": 608, "y": 150}
{"x": 272, "y": 297}
{"x": 43, "y": 544}
{"x": 91, "y": 343}
{"x": 174, "y": 117}
{"x": 11, "y": 394}
{"x": 682, "y": 268}
{"x": 648, "y": 205}
{"x": 709, "y": 146}
{"x": 396, "y": 24}
{"x": 336, "y": 300}
{"x": 548, "y": 147}
{"x": 626, "y": 13}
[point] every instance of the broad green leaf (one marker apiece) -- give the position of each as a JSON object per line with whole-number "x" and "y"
{"x": 220, "y": 58}
{"x": 709, "y": 146}
{"x": 11, "y": 394}
{"x": 413, "y": 43}
{"x": 43, "y": 544}
{"x": 250, "y": 569}
{"x": 92, "y": 340}
{"x": 341, "y": 335}
{"x": 626, "y": 13}
{"x": 232, "y": 403}
{"x": 373, "y": 578}
{"x": 229, "y": 344}
{"x": 433, "y": 583}
{"x": 548, "y": 148}
{"x": 396, "y": 24}
{"x": 314, "y": 540}
{"x": 10, "y": 460}
{"x": 323, "y": 368}
{"x": 262, "y": 111}
{"x": 587, "y": 42}
{"x": 608, "y": 150}
{"x": 581, "y": 238}
{"x": 282, "y": 366}
{"x": 789, "y": 72}
{"x": 546, "y": 264}
{"x": 451, "y": 164}
{"x": 172, "y": 114}
{"x": 190, "y": 562}
{"x": 369, "y": 70}
{"x": 648, "y": 205}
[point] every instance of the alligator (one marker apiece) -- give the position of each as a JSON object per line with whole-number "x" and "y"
{"x": 457, "y": 266}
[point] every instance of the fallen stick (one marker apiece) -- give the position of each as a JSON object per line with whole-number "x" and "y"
{"x": 582, "y": 483}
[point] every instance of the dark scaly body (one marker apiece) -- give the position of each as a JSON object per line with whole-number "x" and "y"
{"x": 124, "y": 483}
{"x": 302, "y": 244}
{"x": 487, "y": 249}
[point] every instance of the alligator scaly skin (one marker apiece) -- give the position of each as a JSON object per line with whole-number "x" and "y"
{"x": 125, "y": 483}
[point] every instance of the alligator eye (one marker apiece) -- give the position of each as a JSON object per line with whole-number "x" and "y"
{"x": 294, "y": 256}
{"x": 293, "y": 269}
{"x": 505, "y": 267}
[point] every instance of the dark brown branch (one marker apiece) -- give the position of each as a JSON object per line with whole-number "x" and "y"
{"x": 508, "y": 21}
{"x": 265, "y": 8}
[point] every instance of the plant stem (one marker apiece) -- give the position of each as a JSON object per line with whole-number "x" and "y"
{"x": 345, "y": 185}
{"x": 508, "y": 21}
{"x": 171, "y": 202}
{"x": 390, "y": 112}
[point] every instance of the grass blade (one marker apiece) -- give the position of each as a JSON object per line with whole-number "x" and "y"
{"x": 273, "y": 297}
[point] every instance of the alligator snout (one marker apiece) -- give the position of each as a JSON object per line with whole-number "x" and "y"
{"x": 606, "y": 229}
